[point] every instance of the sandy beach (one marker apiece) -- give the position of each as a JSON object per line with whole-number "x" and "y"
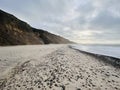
{"x": 54, "y": 67}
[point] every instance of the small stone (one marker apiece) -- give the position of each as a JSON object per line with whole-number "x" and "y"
{"x": 78, "y": 89}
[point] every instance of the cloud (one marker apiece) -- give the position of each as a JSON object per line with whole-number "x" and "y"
{"x": 91, "y": 21}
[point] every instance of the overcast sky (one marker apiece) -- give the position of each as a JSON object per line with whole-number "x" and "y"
{"x": 82, "y": 21}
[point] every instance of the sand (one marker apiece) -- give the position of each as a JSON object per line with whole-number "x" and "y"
{"x": 54, "y": 67}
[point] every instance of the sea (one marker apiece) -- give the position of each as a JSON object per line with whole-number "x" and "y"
{"x": 107, "y": 50}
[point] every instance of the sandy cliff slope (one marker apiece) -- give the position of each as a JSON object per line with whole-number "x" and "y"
{"x": 14, "y": 31}
{"x": 54, "y": 67}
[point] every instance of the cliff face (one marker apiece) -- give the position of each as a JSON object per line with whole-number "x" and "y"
{"x": 16, "y": 32}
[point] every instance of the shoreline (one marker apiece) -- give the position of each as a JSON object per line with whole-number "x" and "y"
{"x": 107, "y": 59}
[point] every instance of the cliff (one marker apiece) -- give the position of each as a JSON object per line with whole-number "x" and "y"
{"x": 16, "y": 32}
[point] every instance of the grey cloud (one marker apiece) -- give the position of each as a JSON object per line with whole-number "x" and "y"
{"x": 77, "y": 15}
{"x": 105, "y": 20}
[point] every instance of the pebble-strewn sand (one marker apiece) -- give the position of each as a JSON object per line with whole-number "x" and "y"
{"x": 54, "y": 67}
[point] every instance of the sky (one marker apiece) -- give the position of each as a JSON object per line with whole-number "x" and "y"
{"x": 82, "y": 21}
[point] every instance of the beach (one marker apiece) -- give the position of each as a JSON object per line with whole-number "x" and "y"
{"x": 54, "y": 67}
